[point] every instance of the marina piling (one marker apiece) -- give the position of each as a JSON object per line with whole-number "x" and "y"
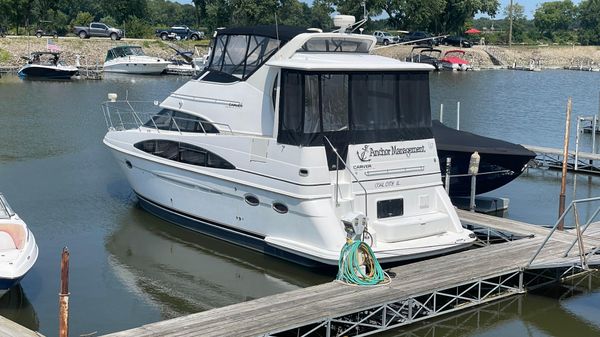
{"x": 63, "y": 302}
{"x": 563, "y": 183}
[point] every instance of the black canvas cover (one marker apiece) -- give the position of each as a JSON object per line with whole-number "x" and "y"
{"x": 449, "y": 139}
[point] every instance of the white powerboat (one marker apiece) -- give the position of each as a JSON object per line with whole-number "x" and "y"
{"x": 288, "y": 137}
{"x": 132, "y": 60}
{"x": 46, "y": 65}
{"x": 18, "y": 250}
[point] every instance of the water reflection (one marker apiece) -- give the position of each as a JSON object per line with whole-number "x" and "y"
{"x": 184, "y": 272}
{"x": 15, "y": 306}
{"x": 567, "y": 310}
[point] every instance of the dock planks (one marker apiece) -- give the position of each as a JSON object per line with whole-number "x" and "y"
{"x": 9, "y": 328}
{"x": 305, "y": 306}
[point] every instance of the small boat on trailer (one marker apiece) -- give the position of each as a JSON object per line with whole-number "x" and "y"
{"x": 46, "y": 65}
{"x": 287, "y": 138}
{"x": 18, "y": 249}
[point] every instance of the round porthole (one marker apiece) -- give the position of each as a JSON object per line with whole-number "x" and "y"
{"x": 128, "y": 163}
{"x": 280, "y": 208}
{"x": 251, "y": 200}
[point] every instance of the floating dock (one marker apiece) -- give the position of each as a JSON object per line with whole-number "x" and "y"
{"x": 577, "y": 161}
{"x": 531, "y": 256}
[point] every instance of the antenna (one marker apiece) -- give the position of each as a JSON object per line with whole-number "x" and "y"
{"x": 277, "y": 32}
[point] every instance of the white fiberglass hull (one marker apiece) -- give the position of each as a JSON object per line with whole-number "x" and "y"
{"x": 310, "y": 233}
{"x": 136, "y": 65}
{"x": 18, "y": 252}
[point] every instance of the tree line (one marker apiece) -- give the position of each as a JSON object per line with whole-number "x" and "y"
{"x": 556, "y": 21}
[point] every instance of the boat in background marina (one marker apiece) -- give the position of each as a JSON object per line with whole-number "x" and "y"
{"x": 454, "y": 60}
{"x": 261, "y": 149}
{"x": 425, "y": 54}
{"x": 132, "y": 60}
{"x": 500, "y": 162}
{"x": 46, "y": 65}
{"x": 18, "y": 249}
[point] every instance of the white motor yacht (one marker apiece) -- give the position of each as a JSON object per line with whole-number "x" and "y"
{"x": 18, "y": 250}
{"x": 132, "y": 60}
{"x": 288, "y": 137}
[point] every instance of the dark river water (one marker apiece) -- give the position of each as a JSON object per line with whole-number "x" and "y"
{"x": 129, "y": 268}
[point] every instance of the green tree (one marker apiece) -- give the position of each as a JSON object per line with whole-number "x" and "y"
{"x": 589, "y": 22}
{"x": 519, "y": 20}
{"x": 249, "y": 13}
{"x": 82, "y": 19}
{"x": 320, "y": 14}
{"x": 457, "y": 12}
{"x": 218, "y": 14}
{"x": 137, "y": 28}
{"x": 554, "y": 18}
{"x": 412, "y": 14}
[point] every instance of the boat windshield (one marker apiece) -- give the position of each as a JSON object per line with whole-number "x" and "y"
{"x": 360, "y": 107}
{"x": 5, "y": 211}
{"x": 124, "y": 52}
{"x": 240, "y": 55}
{"x": 336, "y": 44}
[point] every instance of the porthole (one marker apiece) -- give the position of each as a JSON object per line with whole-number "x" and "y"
{"x": 303, "y": 172}
{"x": 128, "y": 163}
{"x": 251, "y": 200}
{"x": 280, "y": 208}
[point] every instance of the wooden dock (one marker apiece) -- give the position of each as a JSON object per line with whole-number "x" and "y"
{"x": 417, "y": 291}
{"x": 9, "y": 328}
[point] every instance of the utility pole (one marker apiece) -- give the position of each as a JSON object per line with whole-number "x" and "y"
{"x": 510, "y": 20}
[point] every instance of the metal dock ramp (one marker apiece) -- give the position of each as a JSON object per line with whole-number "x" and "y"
{"x": 418, "y": 291}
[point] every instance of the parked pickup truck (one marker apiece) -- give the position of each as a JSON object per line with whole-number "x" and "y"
{"x": 98, "y": 29}
{"x": 179, "y": 33}
{"x": 385, "y": 38}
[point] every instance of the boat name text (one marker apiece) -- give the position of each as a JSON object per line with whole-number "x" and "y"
{"x": 366, "y": 153}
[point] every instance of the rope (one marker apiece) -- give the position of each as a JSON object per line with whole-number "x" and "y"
{"x": 349, "y": 267}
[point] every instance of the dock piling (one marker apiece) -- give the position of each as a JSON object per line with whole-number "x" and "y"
{"x": 563, "y": 183}
{"x": 63, "y": 302}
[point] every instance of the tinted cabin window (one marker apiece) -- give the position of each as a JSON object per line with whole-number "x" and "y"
{"x": 361, "y": 107}
{"x": 172, "y": 120}
{"x": 184, "y": 153}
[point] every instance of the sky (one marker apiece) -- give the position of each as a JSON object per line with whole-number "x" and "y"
{"x": 530, "y": 6}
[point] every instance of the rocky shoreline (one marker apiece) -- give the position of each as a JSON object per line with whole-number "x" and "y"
{"x": 93, "y": 51}
{"x": 543, "y": 57}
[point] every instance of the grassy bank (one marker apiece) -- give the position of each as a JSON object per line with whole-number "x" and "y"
{"x": 92, "y": 51}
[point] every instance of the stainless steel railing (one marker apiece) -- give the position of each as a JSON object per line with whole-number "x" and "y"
{"x": 338, "y": 159}
{"x": 130, "y": 115}
{"x": 579, "y": 230}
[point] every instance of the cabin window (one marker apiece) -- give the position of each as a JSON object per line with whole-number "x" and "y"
{"x": 184, "y": 153}
{"x": 361, "y": 107}
{"x": 172, "y": 120}
{"x": 336, "y": 44}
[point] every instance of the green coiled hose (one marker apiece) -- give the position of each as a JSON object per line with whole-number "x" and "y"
{"x": 350, "y": 270}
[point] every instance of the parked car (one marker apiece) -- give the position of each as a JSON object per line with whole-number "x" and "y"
{"x": 44, "y": 30}
{"x": 179, "y": 33}
{"x": 385, "y": 38}
{"x": 457, "y": 41}
{"x": 98, "y": 29}
{"x": 420, "y": 38}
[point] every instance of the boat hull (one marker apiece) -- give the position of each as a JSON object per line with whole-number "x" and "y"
{"x": 309, "y": 234}
{"x": 135, "y": 67}
{"x": 35, "y": 71}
